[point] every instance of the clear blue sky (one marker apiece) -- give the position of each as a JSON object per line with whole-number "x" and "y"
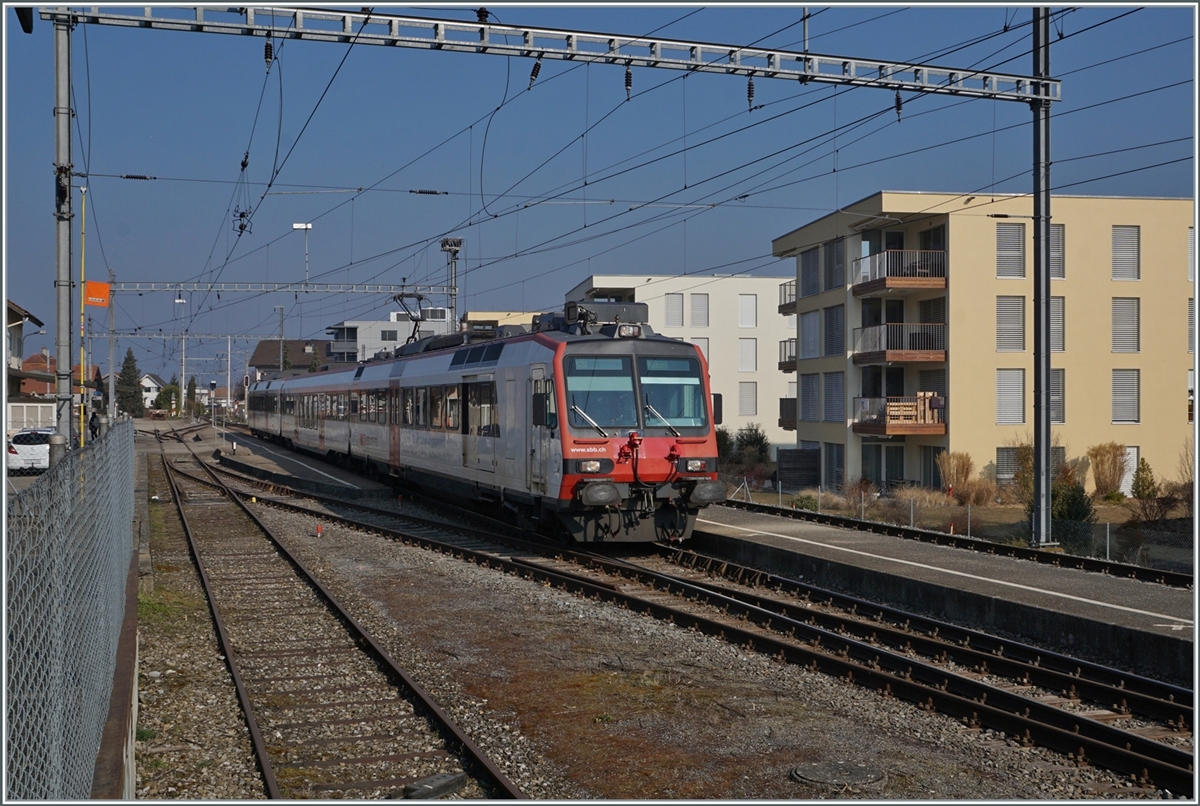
{"x": 185, "y": 107}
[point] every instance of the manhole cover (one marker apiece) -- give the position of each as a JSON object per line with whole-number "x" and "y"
{"x": 838, "y": 773}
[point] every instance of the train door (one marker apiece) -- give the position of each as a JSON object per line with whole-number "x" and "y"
{"x": 538, "y": 433}
{"x": 481, "y": 427}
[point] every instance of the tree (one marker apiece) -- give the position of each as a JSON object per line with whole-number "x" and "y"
{"x": 315, "y": 363}
{"x": 1152, "y": 502}
{"x": 191, "y": 394}
{"x": 129, "y": 399}
{"x": 167, "y": 397}
{"x": 724, "y": 445}
{"x": 287, "y": 359}
{"x": 751, "y": 445}
{"x": 1108, "y": 467}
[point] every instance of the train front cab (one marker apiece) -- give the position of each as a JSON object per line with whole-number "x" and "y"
{"x": 637, "y": 438}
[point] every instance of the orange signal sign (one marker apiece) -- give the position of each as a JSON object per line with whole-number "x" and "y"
{"x": 96, "y": 293}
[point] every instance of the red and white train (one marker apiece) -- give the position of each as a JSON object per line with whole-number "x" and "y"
{"x": 590, "y": 427}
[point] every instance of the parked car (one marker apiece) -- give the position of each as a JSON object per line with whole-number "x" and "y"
{"x": 29, "y": 449}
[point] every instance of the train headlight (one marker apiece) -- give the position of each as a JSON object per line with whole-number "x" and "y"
{"x": 696, "y": 465}
{"x": 629, "y": 331}
{"x": 600, "y": 494}
{"x": 589, "y": 466}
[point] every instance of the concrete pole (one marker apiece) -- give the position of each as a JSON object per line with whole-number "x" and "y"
{"x": 112, "y": 353}
{"x": 1041, "y": 285}
{"x": 62, "y": 213}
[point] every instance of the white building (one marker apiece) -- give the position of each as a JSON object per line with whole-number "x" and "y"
{"x": 151, "y": 385}
{"x": 733, "y": 319}
{"x": 361, "y": 339}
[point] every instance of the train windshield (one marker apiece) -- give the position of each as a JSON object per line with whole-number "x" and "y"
{"x": 600, "y": 392}
{"x": 672, "y": 393}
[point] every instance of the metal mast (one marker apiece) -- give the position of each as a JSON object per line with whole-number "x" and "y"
{"x": 1041, "y": 285}
{"x": 62, "y": 213}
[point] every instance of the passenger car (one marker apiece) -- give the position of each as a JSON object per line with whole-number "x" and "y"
{"x": 29, "y": 449}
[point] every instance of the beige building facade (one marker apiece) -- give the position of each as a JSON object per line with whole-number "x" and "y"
{"x": 915, "y": 332}
{"x": 734, "y": 321}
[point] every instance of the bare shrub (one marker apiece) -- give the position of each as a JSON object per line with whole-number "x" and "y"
{"x": 1109, "y": 465}
{"x": 978, "y": 492}
{"x": 955, "y": 468}
{"x": 1185, "y": 488}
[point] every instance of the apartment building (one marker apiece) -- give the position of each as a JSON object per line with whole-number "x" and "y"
{"x": 361, "y": 339}
{"x": 732, "y": 319}
{"x": 916, "y": 332}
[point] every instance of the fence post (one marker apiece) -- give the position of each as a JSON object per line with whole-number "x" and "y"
{"x": 911, "y": 509}
{"x": 968, "y": 520}
{"x": 818, "y": 499}
{"x": 862, "y": 503}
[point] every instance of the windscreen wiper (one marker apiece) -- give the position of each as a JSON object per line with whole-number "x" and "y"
{"x": 588, "y": 419}
{"x": 654, "y": 411}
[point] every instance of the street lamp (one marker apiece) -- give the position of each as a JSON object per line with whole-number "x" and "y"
{"x": 306, "y": 228}
{"x": 179, "y": 300}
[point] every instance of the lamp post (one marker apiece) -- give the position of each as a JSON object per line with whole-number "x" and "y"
{"x": 179, "y": 300}
{"x": 452, "y": 247}
{"x": 306, "y": 228}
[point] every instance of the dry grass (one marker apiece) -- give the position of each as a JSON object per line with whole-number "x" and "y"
{"x": 1108, "y": 467}
{"x": 955, "y": 468}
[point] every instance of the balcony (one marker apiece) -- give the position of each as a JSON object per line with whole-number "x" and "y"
{"x": 787, "y": 355}
{"x": 900, "y": 342}
{"x": 787, "y": 413}
{"x": 887, "y": 416}
{"x": 899, "y": 270}
{"x": 787, "y": 298}
{"x": 343, "y": 347}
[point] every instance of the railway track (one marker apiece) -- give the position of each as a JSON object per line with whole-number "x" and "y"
{"x": 1036, "y": 696}
{"x": 330, "y": 714}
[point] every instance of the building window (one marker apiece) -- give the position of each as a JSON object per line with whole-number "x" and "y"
{"x": 748, "y": 399}
{"x": 1191, "y": 324}
{"x": 1058, "y": 396}
{"x": 932, "y": 380}
{"x": 1010, "y": 250}
{"x": 747, "y": 310}
{"x": 747, "y": 355}
{"x": 1191, "y": 254}
{"x": 1131, "y": 463}
{"x": 810, "y": 399}
{"x": 835, "y": 264}
{"x": 1010, "y": 396}
{"x": 1126, "y": 387}
{"x": 791, "y": 389}
{"x": 835, "y": 330}
{"x": 702, "y": 343}
{"x": 835, "y": 465}
{"x": 790, "y": 321}
{"x": 1010, "y": 324}
{"x": 387, "y": 335}
{"x": 810, "y": 328}
{"x": 1058, "y": 252}
{"x": 931, "y": 475}
{"x": 699, "y": 310}
{"x": 1058, "y": 324}
{"x": 932, "y": 311}
{"x": 810, "y": 272}
{"x": 1126, "y": 253}
{"x": 835, "y": 397}
{"x": 674, "y": 310}
{"x": 1126, "y": 315}
{"x": 1006, "y": 466}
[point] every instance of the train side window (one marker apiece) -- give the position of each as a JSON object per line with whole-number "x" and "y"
{"x": 543, "y": 404}
{"x": 452, "y": 422}
{"x": 437, "y": 400}
{"x": 353, "y": 405}
{"x": 482, "y": 403}
{"x": 407, "y": 417}
{"x": 422, "y": 406}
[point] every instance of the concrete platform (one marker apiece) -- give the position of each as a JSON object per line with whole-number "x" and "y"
{"x": 1144, "y": 627}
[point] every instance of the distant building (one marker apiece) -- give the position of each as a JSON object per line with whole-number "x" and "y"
{"x": 916, "y": 332}
{"x": 299, "y": 356}
{"x": 359, "y": 340}
{"x": 732, "y": 319}
{"x": 151, "y": 385}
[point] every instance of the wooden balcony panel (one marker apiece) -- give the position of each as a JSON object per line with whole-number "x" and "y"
{"x": 883, "y": 285}
{"x": 900, "y": 429}
{"x": 900, "y": 356}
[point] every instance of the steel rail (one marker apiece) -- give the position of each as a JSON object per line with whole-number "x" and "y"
{"x": 256, "y": 738}
{"x": 1171, "y": 578}
{"x": 1080, "y": 738}
{"x": 470, "y": 748}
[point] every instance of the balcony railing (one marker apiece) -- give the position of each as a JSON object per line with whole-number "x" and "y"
{"x": 920, "y": 263}
{"x": 787, "y": 355}
{"x": 787, "y": 297}
{"x": 909, "y": 337}
{"x": 343, "y": 347}
{"x": 924, "y": 413}
{"x": 787, "y": 413}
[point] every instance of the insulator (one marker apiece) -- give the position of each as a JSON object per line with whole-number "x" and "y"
{"x": 533, "y": 74}
{"x": 481, "y": 14}
{"x": 750, "y": 92}
{"x": 628, "y": 81}
{"x": 268, "y": 53}
{"x": 899, "y": 105}
{"x": 245, "y": 160}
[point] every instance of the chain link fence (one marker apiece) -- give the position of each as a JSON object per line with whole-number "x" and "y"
{"x": 68, "y": 549}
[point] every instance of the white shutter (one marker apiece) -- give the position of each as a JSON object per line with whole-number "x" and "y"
{"x": 1058, "y": 324}
{"x": 1010, "y": 324}
{"x": 1191, "y": 325}
{"x": 747, "y": 355}
{"x": 1131, "y": 463}
{"x": 673, "y": 317}
{"x": 835, "y": 397}
{"x": 1125, "y": 324}
{"x": 1010, "y": 396}
{"x": 835, "y": 330}
{"x": 810, "y": 397}
{"x": 1058, "y": 252}
{"x": 1126, "y": 263}
{"x": 699, "y": 310}
{"x": 1058, "y": 399}
{"x": 810, "y": 329}
{"x": 702, "y": 343}
{"x": 835, "y": 272}
{"x": 810, "y": 272}
{"x": 791, "y": 389}
{"x": 1125, "y": 393}
{"x": 1010, "y": 250}
{"x": 747, "y": 310}
{"x": 748, "y": 399}
{"x": 1006, "y": 465}
{"x": 790, "y": 321}
{"x": 1191, "y": 254}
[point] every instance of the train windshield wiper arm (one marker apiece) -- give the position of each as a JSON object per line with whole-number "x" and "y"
{"x": 589, "y": 420}
{"x": 654, "y": 411}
